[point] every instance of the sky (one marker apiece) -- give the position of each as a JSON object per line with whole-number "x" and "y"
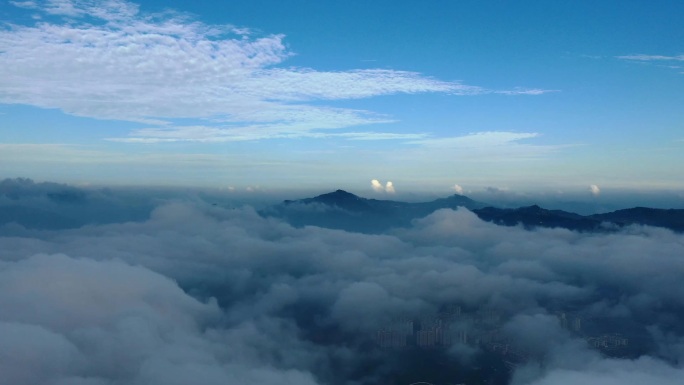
{"x": 436, "y": 96}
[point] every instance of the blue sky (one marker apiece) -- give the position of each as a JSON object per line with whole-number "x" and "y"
{"x": 525, "y": 96}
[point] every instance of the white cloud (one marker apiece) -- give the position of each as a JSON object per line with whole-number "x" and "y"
{"x": 477, "y": 139}
{"x": 642, "y": 57}
{"x": 379, "y": 136}
{"x": 524, "y": 91}
{"x": 254, "y": 132}
{"x": 594, "y": 190}
{"x": 488, "y": 146}
{"x": 458, "y": 189}
{"x": 155, "y": 68}
{"x": 497, "y": 190}
{"x": 24, "y": 4}
{"x": 389, "y": 188}
{"x": 669, "y": 61}
{"x": 377, "y": 186}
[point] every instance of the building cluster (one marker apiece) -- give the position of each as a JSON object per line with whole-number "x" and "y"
{"x": 396, "y": 335}
{"x": 480, "y": 328}
{"x": 569, "y": 322}
{"x": 450, "y": 326}
{"x": 608, "y": 342}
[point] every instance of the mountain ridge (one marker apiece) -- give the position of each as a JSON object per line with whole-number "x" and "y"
{"x": 343, "y": 210}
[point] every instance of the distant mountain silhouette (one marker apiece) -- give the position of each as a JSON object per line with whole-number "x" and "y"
{"x": 344, "y": 210}
{"x": 341, "y": 199}
{"x": 535, "y": 216}
{"x": 672, "y": 219}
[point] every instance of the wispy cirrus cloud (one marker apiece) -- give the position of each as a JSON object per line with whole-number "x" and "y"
{"x": 642, "y": 57}
{"x": 106, "y": 10}
{"x": 478, "y": 139}
{"x": 210, "y": 134}
{"x": 109, "y": 60}
{"x": 525, "y": 91}
{"x": 671, "y": 62}
{"x": 24, "y": 4}
{"x": 487, "y": 146}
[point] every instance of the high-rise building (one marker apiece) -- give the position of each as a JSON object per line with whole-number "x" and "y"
{"x": 425, "y": 338}
{"x": 577, "y": 324}
{"x": 463, "y": 336}
{"x": 563, "y": 320}
{"x": 390, "y": 339}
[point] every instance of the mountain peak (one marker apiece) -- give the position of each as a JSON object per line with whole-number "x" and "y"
{"x": 340, "y": 192}
{"x": 336, "y": 195}
{"x": 341, "y": 199}
{"x": 533, "y": 208}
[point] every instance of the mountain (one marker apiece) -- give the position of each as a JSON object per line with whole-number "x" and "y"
{"x": 343, "y": 210}
{"x": 343, "y": 200}
{"x": 672, "y": 219}
{"x": 535, "y": 216}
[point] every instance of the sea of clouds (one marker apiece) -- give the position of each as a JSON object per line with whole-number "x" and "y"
{"x": 182, "y": 291}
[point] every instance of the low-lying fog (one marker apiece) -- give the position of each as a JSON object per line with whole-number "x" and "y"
{"x": 169, "y": 290}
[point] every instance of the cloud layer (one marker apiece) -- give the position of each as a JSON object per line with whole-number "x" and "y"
{"x": 199, "y": 293}
{"x": 109, "y": 60}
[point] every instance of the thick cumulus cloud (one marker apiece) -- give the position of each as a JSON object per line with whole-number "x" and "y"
{"x": 84, "y": 321}
{"x": 377, "y": 186}
{"x": 389, "y": 187}
{"x": 202, "y": 294}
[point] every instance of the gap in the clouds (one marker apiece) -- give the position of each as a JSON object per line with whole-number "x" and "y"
{"x": 18, "y": 15}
